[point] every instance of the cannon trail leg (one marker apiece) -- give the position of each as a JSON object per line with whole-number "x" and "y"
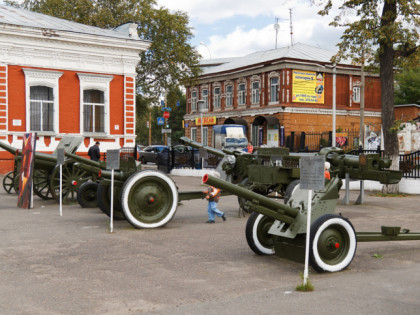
{"x": 149, "y": 199}
{"x": 332, "y": 243}
{"x": 257, "y": 236}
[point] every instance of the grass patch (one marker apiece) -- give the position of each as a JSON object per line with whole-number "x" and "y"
{"x": 308, "y": 287}
{"x": 377, "y": 256}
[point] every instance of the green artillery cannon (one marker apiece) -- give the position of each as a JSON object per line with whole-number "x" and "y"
{"x": 273, "y": 171}
{"x": 280, "y": 229}
{"x": 145, "y": 198}
{"x": 46, "y": 172}
{"x": 98, "y": 193}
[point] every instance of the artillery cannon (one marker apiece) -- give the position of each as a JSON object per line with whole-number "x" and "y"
{"x": 46, "y": 176}
{"x": 280, "y": 229}
{"x": 274, "y": 170}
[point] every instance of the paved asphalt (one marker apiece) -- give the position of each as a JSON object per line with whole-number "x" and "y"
{"x": 73, "y": 265}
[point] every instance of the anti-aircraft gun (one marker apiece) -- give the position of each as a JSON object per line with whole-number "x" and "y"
{"x": 280, "y": 229}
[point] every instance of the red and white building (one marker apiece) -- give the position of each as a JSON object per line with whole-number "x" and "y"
{"x": 62, "y": 78}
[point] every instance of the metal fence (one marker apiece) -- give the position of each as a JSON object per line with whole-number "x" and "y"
{"x": 313, "y": 141}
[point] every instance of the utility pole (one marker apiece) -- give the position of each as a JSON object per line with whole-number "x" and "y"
{"x": 291, "y": 28}
{"x": 276, "y": 28}
{"x": 150, "y": 124}
{"x": 362, "y": 102}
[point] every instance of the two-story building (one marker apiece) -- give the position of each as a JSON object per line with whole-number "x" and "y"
{"x": 63, "y": 78}
{"x": 279, "y": 92}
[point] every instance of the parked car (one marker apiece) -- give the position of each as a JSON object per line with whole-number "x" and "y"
{"x": 139, "y": 148}
{"x": 150, "y": 153}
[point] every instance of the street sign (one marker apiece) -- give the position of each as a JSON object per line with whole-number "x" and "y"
{"x": 166, "y": 130}
{"x": 166, "y": 109}
{"x": 178, "y": 103}
{"x": 160, "y": 121}
{"x": 162, "y": 103}
{"x": 166, "y": 115}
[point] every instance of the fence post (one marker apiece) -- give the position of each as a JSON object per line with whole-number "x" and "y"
{"x": 292, "y": 141}
{"x": 330, "y": 138}
{"x": 302, "y": 141}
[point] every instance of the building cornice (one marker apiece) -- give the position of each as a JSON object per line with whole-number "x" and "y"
{"x": 278, "y": 110}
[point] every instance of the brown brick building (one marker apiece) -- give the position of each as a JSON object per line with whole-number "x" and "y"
{"x": 277, "y": 92}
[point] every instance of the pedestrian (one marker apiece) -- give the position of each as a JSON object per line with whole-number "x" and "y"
{"x": 213, "y": 196}
{"x": 327, "y": 170}
{"x": 94, "y": 152}
{"x": 250, "y": 148}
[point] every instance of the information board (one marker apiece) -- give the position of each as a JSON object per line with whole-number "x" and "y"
{"x": 312, "y": 172}
{"x": 60, "y": 156}
{"x": 113, "y": 159}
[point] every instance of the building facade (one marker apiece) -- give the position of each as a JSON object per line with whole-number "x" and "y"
{"x": 280, "y": 92}
{"x": 62, "y": 78}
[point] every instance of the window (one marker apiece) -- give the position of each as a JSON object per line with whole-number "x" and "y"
{"x": 41, "y": 108}
{"x": 229, "y": 96}
{"x": 93, "y": 111}
{"x": 216, "y": 97}
{"x": 94, "y": 100}
{"x": 356, "y": 94}
{"x": 274, "y": 89}
{"x": 205, "y": 135}
{"x": 42, "y": 100}
{"x": 194, "y": 134}
{"x": 194, "y": 101}
{"x": 241, "y": 94}
{"x": 255, "y": 92}
{"x": 205, "y": 94}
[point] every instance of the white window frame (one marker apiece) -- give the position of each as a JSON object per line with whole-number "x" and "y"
{"x": 276, "y": 93}
{"x": 205, "y": 98}
{"x": 356, "y": 94}
{"x": 216, "y": 97}
{"x": 36, "y": 77}
{"x": 194, "y": 133}
{"x": 255, "y": 99}
{"x": 194, "y": 101}
{"x": 229, "y": 96}
{"x": 95, "y": 82}
{"x": 241, "y": 94}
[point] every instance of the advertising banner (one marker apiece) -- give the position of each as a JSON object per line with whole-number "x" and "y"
{"x": 26, "y": 171}
{"x": 206, "y": 121}
{"x": 308, "y": 87}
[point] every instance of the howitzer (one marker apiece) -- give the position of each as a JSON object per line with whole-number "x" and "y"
{"x": 276, "y": 228}
{"x": 46, "y": 171}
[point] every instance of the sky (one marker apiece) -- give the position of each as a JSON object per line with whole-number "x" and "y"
{"x": 232, "y": 28}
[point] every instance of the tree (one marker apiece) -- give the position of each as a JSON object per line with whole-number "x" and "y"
{"x": 407, "y": 89}
{"x": 389, "y": 28}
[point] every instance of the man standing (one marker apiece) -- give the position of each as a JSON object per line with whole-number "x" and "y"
{"x": 94, "y": 152}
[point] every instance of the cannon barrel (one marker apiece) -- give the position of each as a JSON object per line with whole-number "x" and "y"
{"x": 118, "y": 175}
{"x": 83, "y": 160}
{"x": 38, "y": 155}
{"x": 253, "y": 197}
{"x": 197, "y": 145}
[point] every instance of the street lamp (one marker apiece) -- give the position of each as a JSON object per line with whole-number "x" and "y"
{"x": 202, "y": 43}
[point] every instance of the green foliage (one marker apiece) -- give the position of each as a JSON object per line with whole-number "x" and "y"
{"x": 384, "y": 33}
{"x": 407, "y": 89}
{"x": 377, "y": 256}
{"x": 308, "y": 287}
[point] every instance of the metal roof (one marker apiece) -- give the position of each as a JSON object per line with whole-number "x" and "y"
{"x": 298, "y": 51}
{"x": 21, "y": 17}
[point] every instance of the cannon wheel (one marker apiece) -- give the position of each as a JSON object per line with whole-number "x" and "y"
{"x": 73, "y": 177}
{"x": 149, "y": 199}
{"x": 9, "y": 183}
{"x": 104, "y": 202}
{"x": 291, "y": 189}
{"x": 333, "y": 243}
{"x": 257, "y": 236}
{"x": 86, "y": 195}
{"x": 41, "y": 184}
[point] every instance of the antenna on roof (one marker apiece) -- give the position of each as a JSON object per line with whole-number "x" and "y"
{"x": 276, "y": 28}
{"x": 291, "y": 28}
